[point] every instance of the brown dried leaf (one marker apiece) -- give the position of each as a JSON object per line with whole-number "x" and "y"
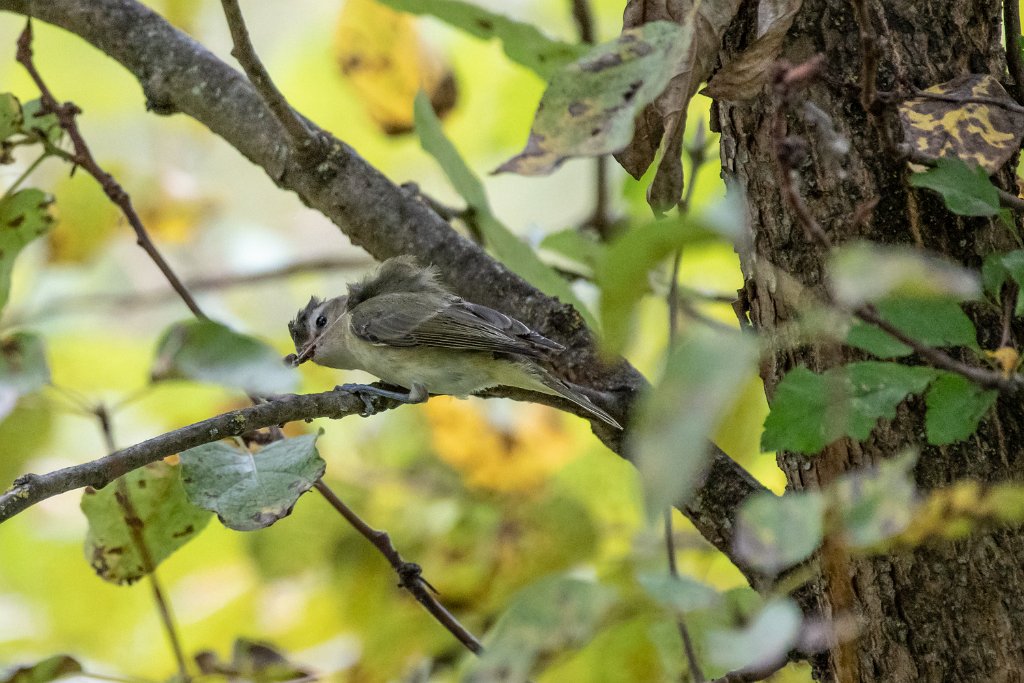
{"x": 665, "y": 118}
{"x": 745, "y": 76}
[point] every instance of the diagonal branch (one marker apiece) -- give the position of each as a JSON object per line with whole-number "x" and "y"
{"x": 82, "y": 156}
{"x": 302, "y": 137}
{"x": 178, "y": 74}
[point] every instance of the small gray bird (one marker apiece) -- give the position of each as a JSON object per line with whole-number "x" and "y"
{"x": 402, "y": 325}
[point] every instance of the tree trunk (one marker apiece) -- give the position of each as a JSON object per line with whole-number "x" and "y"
{"x": 950, "y": 611}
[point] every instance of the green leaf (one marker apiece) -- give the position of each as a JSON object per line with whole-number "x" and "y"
{"x": 862, "y": 272}
{"x": 250, "y": 491}
{"x": 23, "y": 368}
{"x": 679, "y": 594}
{"x": 546, "y": 617}
{"x": 590, "y": 105}
{"x": 168, "y": 521}
{"x": 774, "y": 533}
{"x": 955, "y": 406}
{"x": 206, "y": 351}
{"x": 10, "y": 115}
{"x": 24, "y": 216}
{"x": 509, "y": 249}
{"x": 37, "y": 125}
{"x": 623, "y": 271}
{"x": 809, "y": 411}
{"x": 578, "y": 246}
{"x": 998, "y": 267}
{"x": 966, "y": 190}
{"x": 49, "y": 669}
{"x": 523, "y": 43}
{"x": 703, "y": 377}
{"x": 935, "y": 322}
{"x": 877, "y": 504}
{"x": 762, "y": 643}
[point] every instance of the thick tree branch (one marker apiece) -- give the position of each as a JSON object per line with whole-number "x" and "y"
{"x": 178, "y": 74}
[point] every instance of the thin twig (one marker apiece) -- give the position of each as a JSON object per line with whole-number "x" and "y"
{"x": 684, "y": 633}
{"x": 696, "y": 154}
{"x": 787, "y": 175}
{"x": 1011, "y": 26}
{"x": 301, "y": 136}
{"x": 600, "y": 220}
{"x": 409, "y": 573}
{"x": 135, "y": 525}
{"x": 1010, "y": 292}
{"x": 24, "y": 175}
{"x": 147, "y": 299}
{"x": 868, "y": 58}
{"x": 83, "y": 157}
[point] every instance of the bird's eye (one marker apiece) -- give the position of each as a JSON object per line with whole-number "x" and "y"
{"x": 321, "y": 321}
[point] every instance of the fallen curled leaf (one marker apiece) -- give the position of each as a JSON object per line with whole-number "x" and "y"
{"x": 661, "y": 124}
{"x": 387, "y": 61}
{"x": 975, "y": 121}
{"x": 744, "y": 76}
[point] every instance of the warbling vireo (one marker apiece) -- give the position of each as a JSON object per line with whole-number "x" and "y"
{"x": 402, "y": 325}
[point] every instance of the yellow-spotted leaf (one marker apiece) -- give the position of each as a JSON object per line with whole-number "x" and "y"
{"x": 590, "y": 105}
{"x": 970, "y": 117}
{"x": 384, "y": 57}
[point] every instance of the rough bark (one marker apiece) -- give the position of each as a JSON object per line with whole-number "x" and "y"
{"x": 944, "y": 612}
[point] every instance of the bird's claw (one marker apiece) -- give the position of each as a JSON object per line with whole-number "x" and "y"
{"x": 358, "y": 390}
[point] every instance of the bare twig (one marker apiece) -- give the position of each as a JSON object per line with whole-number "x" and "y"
{"x": 409, "y": 573}
{"x": 1011, "y": 26}
{"x": 787, "y": 175}
{"x": 868, "y": 57}
{"x": 83, "y": 157}
{"x": 1010, "y": 292}
{"x": 684, "y": 633}
{"x": 599, "y": 220}
{"x": 203, "y": 284}
{"x": 302, "y": 137}
{"x": 135, "y": 525}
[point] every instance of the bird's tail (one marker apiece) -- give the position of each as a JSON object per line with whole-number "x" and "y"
{"x": 566, "y": 391}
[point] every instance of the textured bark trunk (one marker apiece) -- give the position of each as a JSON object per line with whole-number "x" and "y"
{"x": 946, "y": 611}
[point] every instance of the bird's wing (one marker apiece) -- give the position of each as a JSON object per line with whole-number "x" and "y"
{"x": 411, "y": 319}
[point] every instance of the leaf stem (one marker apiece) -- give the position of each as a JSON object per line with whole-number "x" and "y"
{"x": 24, "y": 175}
{"x": 135, "y": 526}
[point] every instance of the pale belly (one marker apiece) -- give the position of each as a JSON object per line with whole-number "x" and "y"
{"x": 457, "y": 373}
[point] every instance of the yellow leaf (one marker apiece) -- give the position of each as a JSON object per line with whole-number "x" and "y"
{"x": 383, "y": 55}
{"x": 1006, "y": 357}
{"x": 516, "y": 456}
{"x": 976, "y": 120}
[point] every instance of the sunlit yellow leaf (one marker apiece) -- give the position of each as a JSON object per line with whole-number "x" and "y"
{"x": 976, "y": 121}
{"x": 515, "y": 457}
{"x": 383, "y": 55}
{"x": 1006, "y": 357}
